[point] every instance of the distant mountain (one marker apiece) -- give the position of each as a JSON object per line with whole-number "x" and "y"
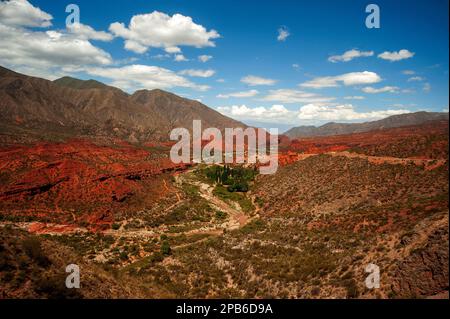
{"x": 332, "y": 128}
{"x": 74, "y": 107}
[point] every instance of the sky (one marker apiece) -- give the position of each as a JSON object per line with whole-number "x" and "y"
{"x": 266, "y": 63}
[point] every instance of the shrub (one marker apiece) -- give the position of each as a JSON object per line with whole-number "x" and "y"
{"x": 32, "y": 247}
{"x": 165, "y": 248}
{"x": 221, "y": 215}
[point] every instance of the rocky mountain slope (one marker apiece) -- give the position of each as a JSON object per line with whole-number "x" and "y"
{"x": 72, "y": 107}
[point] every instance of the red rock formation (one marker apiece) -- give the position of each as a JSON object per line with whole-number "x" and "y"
{"x": 79, "y": 182}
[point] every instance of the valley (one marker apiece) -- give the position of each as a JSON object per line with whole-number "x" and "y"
{"x": 98, "y": 189}
{"x": 307, "y": 237}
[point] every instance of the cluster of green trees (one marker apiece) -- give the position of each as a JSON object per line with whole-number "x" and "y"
{"x": 235, "y": 178}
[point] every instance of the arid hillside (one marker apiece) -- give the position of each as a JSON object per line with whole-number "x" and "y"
{"x": 427, "y": 140}
{"x": 351, "y": 212}
{"x": 34, "y": 109}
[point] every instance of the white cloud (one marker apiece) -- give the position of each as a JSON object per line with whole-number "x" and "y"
{"x": 204, "y": 58}
{"x": 242, "y": 94}
{"x": 220, "y": 80}
{"x": 350, "y": 55}
{"x": 139, "y": 76}
{"x": 198, "y": 73}
{"x": 426, "y": 87}
{"x": 295, "y": 96}
{"x": 415, "y": 78}
{"x": 396, "y": 55}
{"x": 296, "y": 66}
{"x": 385, "y": 89}
{"x": 356, "y": 97}
{"x": 22, "y": 13}
{"x": 283, "y": 33}
{"x": 408, "y": 72}
{"x": 353, "y": 78}
{"x": 160, "y": 30}
{"x": 172, "y": 50}
{"x": 87, "y": 32}
{"x": 256, "y": 80}
{"x": 275, "y": 113}
{"x": 180, "y": 58}
{"x": 310, "y": 112}
{"x": 135, "y": 46}
{"x": 345, "y": 112}
{"x": 43, "y": 52}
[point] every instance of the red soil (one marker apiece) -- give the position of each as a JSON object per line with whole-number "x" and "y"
{"x": 433, "y": 137}
{"x": 80, "y": 182}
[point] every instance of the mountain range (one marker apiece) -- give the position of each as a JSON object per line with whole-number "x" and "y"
{"x": 69, "y": 106}
{"x": 73, "y": 107}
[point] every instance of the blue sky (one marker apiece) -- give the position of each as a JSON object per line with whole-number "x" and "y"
{"x": 327, "y": 67}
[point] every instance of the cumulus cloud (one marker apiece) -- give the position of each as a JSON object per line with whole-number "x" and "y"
{"x": 198, "y": 73}
{"x": 160, "y": 30}
{"x": 426, "y": 87}
{"x": 172, "y": 50}
{"x": 22, "y": 13}
{"x": 242, "y": 94}
{"x": 353, "y": 78}
{"x": 180, "y": 58}
{"x": 139, "y": 76}
{"x": 295, "y": 96}
{"x": 46, "y": 50}
{"x": 87, "y": 32}
{"x": 275, "y": 113}
{"x": 204, "y": 58}
{"x": 313, "y": 113}
{"x": 385, "y": 89}
{"x": 396, "y": 55}
{"x": 283, "y": 33}
{"x": 350, "y": 55}
{"x": 256, "y": 80}
{"x": 344, "y": 112}
{"x": 408, "y": 72}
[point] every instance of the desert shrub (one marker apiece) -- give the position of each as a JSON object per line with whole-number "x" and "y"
{"x": 165, "y": 248}
{"x": 32, "y": 247}
{"x": 350, "y": 286}
{"x": 55, "y": 288}
{"x": 156, "y": 257}
{"x": 221, "y": 215}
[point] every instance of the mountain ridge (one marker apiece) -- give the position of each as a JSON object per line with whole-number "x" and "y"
{"x": 88, "y": 107}
{"x": 333, "y": 128}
